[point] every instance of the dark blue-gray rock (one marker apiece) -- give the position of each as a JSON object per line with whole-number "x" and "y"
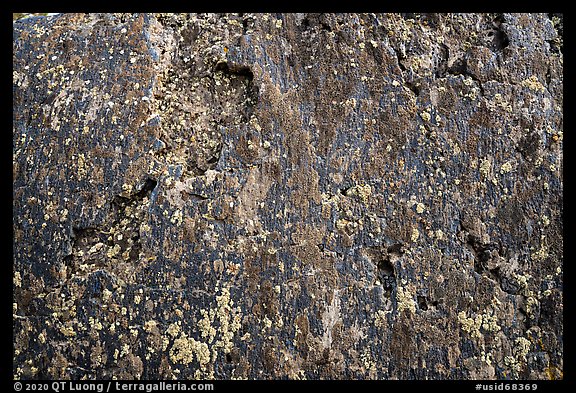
{"x": 301, "y": 196}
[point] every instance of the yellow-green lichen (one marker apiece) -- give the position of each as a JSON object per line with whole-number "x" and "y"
{"x": 533, "y": 84}
{"x": 405, "y": 300}
{"x": 380, "y": 320}
{"x": 506, "y": 167}
{"x": 470, "y": 325}
{"x": 520, "y": 350}
{"x": 485, "y": 166}
{"x": 490, "y": 323}
{"x": 149, "y": 326}
{"x": 342, "y": 223}
{"x": 531, "y": 305}
{"x": 425, "y": 116}
{"x": 185, "y": 348}
{"x": 541, "y": 253}
{"x": 420, "y": 207}
{"x": 68, "y": 331}
{"x": 206, "y": 328}
{"x": 174, "y": 329}
{"x": 229, "y": 318}
{"x": 484, "y": 321}
{"x": 439, "y": 234}
{"x": 415, "y": 234}
{"x": 362, "y": 191}
{"x": 267, "y": 322}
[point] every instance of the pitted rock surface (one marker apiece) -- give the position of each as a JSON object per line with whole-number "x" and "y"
{"x": 302, "y": 196}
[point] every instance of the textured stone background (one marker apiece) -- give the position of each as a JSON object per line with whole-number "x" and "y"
{"x": 288, "y": 196}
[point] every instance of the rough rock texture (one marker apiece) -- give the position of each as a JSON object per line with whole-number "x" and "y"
{"x": 288, "y": 196}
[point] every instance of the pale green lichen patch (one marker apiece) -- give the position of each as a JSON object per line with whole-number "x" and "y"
{"x": 506, "y": 167}
{"x": 541, "y": 253}
{"x": 520, "y": 350}
{"x": 425, "y": 116}
{"x": 533, "y": 84}
{"x": 470, "y": 325}
{"x": 485, "y": 167}
{"x": 185, "y": 349}
{"x": 229, "y": 318}
{"x": 380, "y": 320}
{"x": 473, "y": 326}
{"x": 420, "y": 208}
{"x": 174, "y": 329}
{"x": 205, "y": 326}
{"x": 405, "y": 300}
{"x": 362, "y": 191}
{"x": 415, "y": 234}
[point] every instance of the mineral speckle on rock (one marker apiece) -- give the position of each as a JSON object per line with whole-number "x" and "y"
{"x": 303, "y": 196}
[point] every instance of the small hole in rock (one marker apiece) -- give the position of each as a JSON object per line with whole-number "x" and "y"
{"x": 422, "y": 303}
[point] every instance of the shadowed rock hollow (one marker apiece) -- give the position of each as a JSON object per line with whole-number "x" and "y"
{"x": 301, "y": 196}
